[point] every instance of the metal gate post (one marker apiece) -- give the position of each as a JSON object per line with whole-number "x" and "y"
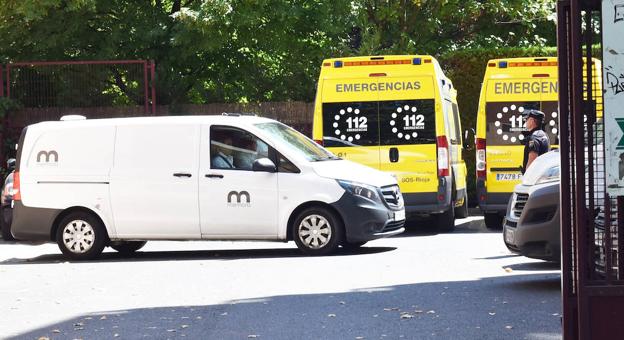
{"x": 568, "y": 289}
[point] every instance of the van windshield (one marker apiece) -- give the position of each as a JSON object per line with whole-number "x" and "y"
{"x": 296, "y": 142}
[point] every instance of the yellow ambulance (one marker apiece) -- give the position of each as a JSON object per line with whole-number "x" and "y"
{"x": 509, "y": 87}
{"x": 397, "y": 114}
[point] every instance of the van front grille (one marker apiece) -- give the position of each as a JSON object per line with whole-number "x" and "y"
{"x": 519, "y": 203}
{"x": 392, "y": 196}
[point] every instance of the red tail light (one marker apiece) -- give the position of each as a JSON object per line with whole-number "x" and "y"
{"x": 443, "y": 157}
{"x": 319, "y": 142}
{"x": 481, "y": 161}
{"x": 17, "y": 194}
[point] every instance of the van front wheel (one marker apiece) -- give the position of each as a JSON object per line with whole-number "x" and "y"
{"x": 317, "y": 231}
{"x": 81, "y": 236}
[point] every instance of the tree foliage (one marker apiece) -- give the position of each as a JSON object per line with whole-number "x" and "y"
{"x": 250, "y": 50}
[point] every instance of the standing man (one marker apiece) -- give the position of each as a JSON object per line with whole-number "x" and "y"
{"x": 536, "y": 141}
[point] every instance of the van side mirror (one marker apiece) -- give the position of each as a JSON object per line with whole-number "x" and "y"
{"x": 263, "y": 165}
{"x": 469, "y": 139}
{"x": 11, "y": 164}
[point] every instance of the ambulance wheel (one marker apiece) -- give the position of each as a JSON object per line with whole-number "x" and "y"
{"x": 493, "y": 221}
{"x": 445, "y": 222}
{"x": 128, "y": 247}
{"x": 317, "y": 231}
{"x": 5, "y": 228}
{"x": 81, "y": 236}
{"x": 462, "y": 210}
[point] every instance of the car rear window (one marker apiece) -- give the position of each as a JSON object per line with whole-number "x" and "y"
{"x": 505, "y": 125}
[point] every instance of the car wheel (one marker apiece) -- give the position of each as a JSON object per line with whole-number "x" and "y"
{"x": 128, "y": 247}
{"x": 353, "y": 245}
{"x": 493, "y": 221}
{"x": 462, "y": 211}
{"x": 317, "y": 231}
{"x": 445, "y": 222}
{"x": 81, "y": 236}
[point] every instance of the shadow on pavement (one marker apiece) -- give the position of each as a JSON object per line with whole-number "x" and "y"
{"x": 524, "y": 307}
{"x": 426, "y": 226}
{"x": 535, "y": 266}
{"x": 220, "y": 255}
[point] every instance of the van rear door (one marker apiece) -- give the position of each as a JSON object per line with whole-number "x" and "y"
{"x": 407, "y": 125}
{"x": 350, "y": 118}
{"x": 505, "y": 130}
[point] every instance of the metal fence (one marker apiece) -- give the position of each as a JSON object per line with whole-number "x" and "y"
{"x": 37, "y": 91}
{"x": 591, "y": 221}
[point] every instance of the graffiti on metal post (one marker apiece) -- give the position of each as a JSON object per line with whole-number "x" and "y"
{"x": 613, "y": 81}
{"x": 619, "y": 13}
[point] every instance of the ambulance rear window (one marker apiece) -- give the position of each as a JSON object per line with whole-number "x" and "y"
{"x": 350, "y": 124}
{"x": 505, "y": 125}
{"x": 407, "y": 122}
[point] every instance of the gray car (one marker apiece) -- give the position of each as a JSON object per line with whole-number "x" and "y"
{"x": 531, "y": 227}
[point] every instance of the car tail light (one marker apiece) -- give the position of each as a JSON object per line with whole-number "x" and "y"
{"x": 17, "y": 194}
{"x": 319, "y": 142}
{"x": 443, "y": 157}
{"x": 481, "y": 162}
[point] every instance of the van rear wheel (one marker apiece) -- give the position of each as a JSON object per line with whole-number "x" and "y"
{"x": 493, "y": 221}
{"x": 128, "y": 247}
{"x": 81, "y": 236}
{"x": 445, "y": 222}
{"x": 317, "y": 231}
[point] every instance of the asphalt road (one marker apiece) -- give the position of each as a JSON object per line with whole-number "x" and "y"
{"x": 419, "y": 285}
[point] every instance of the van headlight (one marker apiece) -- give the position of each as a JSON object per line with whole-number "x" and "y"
{"x": 360, "y": 189}
{"x": 550, "y": 175}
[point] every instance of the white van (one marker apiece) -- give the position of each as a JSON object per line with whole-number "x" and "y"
{"x": 87, "y": 184}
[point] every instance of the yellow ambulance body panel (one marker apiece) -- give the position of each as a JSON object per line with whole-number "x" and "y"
{"x": 509, "y": 87}
{"x": 395, "y": 113}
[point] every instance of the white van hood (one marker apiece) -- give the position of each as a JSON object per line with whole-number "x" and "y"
{"x": 354, "y": 172}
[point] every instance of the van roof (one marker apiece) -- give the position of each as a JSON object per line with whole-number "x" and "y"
{"x": 195, "y": 119}
{"x": 412, "y": 64}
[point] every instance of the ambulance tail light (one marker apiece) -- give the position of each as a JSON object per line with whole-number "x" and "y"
{"x": 443, "y": 157}
{"x": 17, "y": 193}
{"x": 481, "y": 162}
{"x": 319, "y": 142}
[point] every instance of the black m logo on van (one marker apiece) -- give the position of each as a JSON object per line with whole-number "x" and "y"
{"x": 49, "y": 156}
{"x": 239, "y": 197}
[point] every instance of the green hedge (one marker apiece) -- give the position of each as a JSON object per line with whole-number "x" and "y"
{"x": 466, "y": 69}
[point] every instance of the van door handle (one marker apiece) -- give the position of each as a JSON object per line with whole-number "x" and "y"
{"x": 214, "y": 176}
{"x": 182, "y": 174}
{"x": 394, "y": 155}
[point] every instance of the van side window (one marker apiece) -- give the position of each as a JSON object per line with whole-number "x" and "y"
{"x": 286, "y": 166}
{"x": 235, "y": 149}
{"x": 456, "y": 134}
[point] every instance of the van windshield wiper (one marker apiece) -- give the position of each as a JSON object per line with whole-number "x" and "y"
{"x": 328, "y": 158}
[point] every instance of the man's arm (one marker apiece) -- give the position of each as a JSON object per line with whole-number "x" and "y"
{"x": 531, "y": 157}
